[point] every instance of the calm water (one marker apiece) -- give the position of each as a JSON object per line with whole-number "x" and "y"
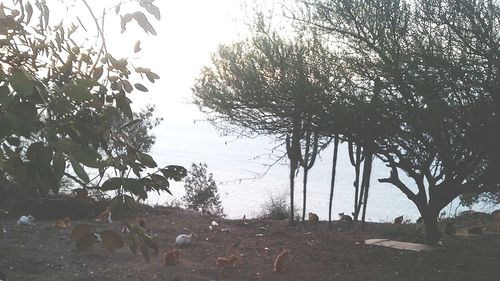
{"x": 236, "y": 165}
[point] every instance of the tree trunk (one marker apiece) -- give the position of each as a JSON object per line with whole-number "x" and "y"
{"x": 292, "y": 182}
{"x": 431, "y": 232}
{"x": 306, "y": 171}
{"x": 355, "y": 158}
{"x": 332, "y": 183}
{"x": 367, "y": 170}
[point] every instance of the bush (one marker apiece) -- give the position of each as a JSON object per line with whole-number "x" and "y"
{"x": 277, "y": 208}
{"x": 201, "y": 191}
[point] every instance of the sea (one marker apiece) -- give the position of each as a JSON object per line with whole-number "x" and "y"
{"x": 248, "y": 176}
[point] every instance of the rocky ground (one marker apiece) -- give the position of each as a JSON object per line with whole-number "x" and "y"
{"x": 317, "y": 253}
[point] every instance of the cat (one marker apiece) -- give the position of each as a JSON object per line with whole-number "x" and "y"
{"x": 171, "y": 257}
{"x": 26, "y": 220}
{"x": 398, "y": 220}
{"x": 105, "y": 216}
{"x": 223, "y": 261}
{"x": 184, "y": 239}
{"x": 313, "y": 217}
{"x": 64, "y": 223}
{"x": 344, "y": 218}
{"x": 279, "y": 262}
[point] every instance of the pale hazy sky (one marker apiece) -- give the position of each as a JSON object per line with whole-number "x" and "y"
{"x": 187, "y": 33}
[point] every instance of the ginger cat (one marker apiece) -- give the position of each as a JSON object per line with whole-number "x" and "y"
{"x": 171, "y": 257}
{"x": 313, "y": 217}
{"x": 64, "y": 223}
{"x": 279, "y": 262}
{"x": 223, "y": 261}
{"x": 105, "y": 216}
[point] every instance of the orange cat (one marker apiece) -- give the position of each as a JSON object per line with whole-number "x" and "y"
{"x": 171, "y": 257}
{"x": 279, "y": 262}
{"x": 223, "y": 261}
{"x": 313, "y": 217}
{"x": 105, "y": 216}
{"x": 64, "y": 223}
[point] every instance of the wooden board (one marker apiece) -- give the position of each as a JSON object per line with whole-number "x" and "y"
{"x": 400, "y": 245}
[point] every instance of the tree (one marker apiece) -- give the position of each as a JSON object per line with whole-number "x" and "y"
{"x": 436, "y": 116}
{"x": 266, "y": 85}
{"x": 201, "y": 191}
{"x": 60, "y": 99}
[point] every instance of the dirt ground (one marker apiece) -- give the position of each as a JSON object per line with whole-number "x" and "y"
{"x": 316, "y": 253}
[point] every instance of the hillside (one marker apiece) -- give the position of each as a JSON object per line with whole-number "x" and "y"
{"x": 42, "y": 253}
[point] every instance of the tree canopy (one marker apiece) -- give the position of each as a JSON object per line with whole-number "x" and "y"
{"x": 61, "y": 99}
{"x": 415, "y": 83}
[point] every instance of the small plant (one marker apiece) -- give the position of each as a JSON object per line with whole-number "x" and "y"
{"x": 201, "y": 191}
{"x": 277, "y": 208}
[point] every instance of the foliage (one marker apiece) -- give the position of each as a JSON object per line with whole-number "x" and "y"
{"x": 276, "y": 208}
{"x": 269, "y": 85}
{"x": 201, "y": 191}
{"x": 422, "y": 94}
{"x": 63, "y": 101}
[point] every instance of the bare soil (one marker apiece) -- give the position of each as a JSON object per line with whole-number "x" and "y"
{"x": 317, "y": 253}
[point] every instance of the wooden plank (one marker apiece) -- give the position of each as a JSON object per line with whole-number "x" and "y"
{"x": 400, "y": 245}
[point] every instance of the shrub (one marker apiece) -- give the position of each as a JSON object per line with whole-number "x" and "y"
{"x": 276, "y": 208}
{"x": 201, "y": 191}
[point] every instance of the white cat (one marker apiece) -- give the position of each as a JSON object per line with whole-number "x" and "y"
{"x": 184, "y": 239}
{"x": 26, "y": 220}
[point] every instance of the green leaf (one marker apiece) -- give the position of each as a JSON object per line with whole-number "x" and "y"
{"x": 151, "y": 8}
{"x": 146, "y": 159}
{"x": 7, "y": 125}
{"x": 21, "y": 83}
{"x": 24, "y": 111}
{"x": 29, "y": 10}
{"x": 79, "y": 170}
{"x": 59, "y": 165}
{"x": 4, "y": 96}
{"x": 143, "y": 22}
{"x": 124, "y": 20}
{"x": 140, "y": 87}
{"x": 96, "y": 75}
{"x": 38, "y": 153}
{"x": 135, "y": 187}
{"x": 174, "y": 172}
{"x": 87, "y": 156}
{"x": 152, "y": 76}
{"x": 78, "y": 92}
{"x": 137, "y": 46}
{"x": 127, "y": 86}
{"x": 160, "y": 182}
{"x": 112, "y": 184}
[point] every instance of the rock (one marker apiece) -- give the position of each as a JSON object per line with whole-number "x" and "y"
{"x": 214, "y": 223}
